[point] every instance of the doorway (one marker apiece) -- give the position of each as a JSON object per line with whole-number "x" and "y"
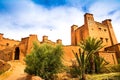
{"x": 17, "y": 53}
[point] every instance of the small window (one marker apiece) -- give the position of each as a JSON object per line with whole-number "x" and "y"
{"x": 7, "y": 44}
{"x": 101, "y": 39}
{"x": 99, "y": 28}
{"x": 105, "y": 30}
{"x": 106, "y": 39}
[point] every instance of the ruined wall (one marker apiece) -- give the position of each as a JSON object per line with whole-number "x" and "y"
{"x": 109, "y": 57}
{"x": 7, "y": 48}
{"x": 6, "y": 54}
{"x": 4, "y": 42}
{"x": 115, "y": 48}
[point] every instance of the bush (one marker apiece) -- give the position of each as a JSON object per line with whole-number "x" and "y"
{"x": 115, "y": 68}
{"x": 111, "y": 68}
{"x": 74, "y": 70}
{"x": 44, "y": 61}
{"x": 118, "y": 60}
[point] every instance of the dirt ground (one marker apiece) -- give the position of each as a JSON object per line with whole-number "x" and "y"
{"x": 17, "y": 72}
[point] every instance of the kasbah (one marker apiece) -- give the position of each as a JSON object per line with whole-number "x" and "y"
{"x": 17, "y": 50}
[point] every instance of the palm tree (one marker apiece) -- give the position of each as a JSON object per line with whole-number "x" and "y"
{"x": 91, "y": 46}
{"x": 86, "y": 57}
{"x": 82, "y": 60}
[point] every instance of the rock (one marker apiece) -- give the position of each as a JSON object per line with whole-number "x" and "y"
{"x": 36, "y": 78}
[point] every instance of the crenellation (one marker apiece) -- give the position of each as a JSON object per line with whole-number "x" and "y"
{"x": 1, "y": 36}
{"x": 45, "y": 38}
{"x": 59, "y": 41}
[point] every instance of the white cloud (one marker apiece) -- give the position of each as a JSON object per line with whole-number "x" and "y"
{"x": 55, "y": 23}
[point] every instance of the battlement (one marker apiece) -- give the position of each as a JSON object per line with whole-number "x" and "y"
{"x": 74, "y": 27}
{"x": 1, "y": 36}
{"x": 45, "y": 38}
{"x": 11, "y": 39}
{"x": 59, "y": 41}
{"x": 88, "y": 14}
{"x": 88, "y": 17}
{"x": 107, "y": 22}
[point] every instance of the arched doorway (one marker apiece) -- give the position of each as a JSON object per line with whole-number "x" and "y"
{"x": 17, "y": 53}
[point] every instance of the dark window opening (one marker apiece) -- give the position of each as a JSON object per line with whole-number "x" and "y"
{"x": 106, "y": 39}
{"x": 101, "y": 39}
{"x": 7, "y": 44}
{"x": 105, "y": 30}
{"x": 17, "y": 52}
{"x": 99, "y": 28}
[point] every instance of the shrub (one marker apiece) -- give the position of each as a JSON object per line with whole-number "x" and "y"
{"x": 74, "y": 70}
{"x": 115, "y": 68}
{"x": 111, "y": 68}
{"x": 118, "y": 60}
{"x": 44, "y": 61}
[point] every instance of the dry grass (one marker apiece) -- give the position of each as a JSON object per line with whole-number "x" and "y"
{"x": 106, "y": 76}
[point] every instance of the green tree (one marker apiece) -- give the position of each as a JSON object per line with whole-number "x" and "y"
{"x": 91, "y": 46}
{"x": 82, "y": 59}
{"x": 86, "y": 57}
{"x": 100, "y": 63}
{"x": 45, "y": 61}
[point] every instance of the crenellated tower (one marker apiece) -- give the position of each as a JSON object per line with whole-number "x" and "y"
{"x": 73, "y": 34}
{"x": 113, "y": 39}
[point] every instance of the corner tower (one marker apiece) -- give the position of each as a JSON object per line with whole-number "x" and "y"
{"x": 88, "y": 18}
{"x": 113, "y": 39}
{"x": 73, "y": 34}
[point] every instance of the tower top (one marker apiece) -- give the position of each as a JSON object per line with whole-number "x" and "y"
{"x": 88, "y": 14}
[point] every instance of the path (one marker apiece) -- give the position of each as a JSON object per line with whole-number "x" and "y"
{"x": 17, "y": 72}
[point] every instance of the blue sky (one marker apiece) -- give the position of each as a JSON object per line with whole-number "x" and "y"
{"x": 19, "y": 18}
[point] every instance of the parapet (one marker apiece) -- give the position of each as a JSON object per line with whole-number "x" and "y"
{"x": 86, "y": 14}
{"x": 33, "y": 35}
{"x": 87, "y": 17}
{"x": 45, "y": 38}
{"x": 59, "y": 41}
{"x": 1, "y": 36}
{"x": 74, "y": 27}
{"x": 106, "y": 21}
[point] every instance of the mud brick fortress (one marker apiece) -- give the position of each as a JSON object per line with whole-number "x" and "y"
{"x": 17, "y": 50}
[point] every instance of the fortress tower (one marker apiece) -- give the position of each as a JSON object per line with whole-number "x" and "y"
{"x": 91, "y": 28}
